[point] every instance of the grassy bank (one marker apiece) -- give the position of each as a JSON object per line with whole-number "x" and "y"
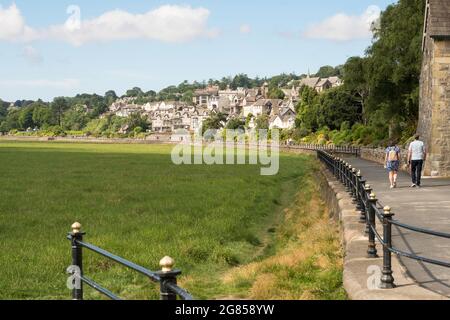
{"x": 134, "y": 202}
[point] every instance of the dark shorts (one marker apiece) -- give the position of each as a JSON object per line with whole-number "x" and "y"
{"x": 393, "y": 166}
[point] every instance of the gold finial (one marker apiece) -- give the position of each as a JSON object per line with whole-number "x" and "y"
{"x": 359, "y": 173}
{"x": 167, "y": 264}
{"x": 368, "y": 187}
{"x": 373, "y": 196}
{"x": 387, "y": 210}
{"x": 76, "y": 228}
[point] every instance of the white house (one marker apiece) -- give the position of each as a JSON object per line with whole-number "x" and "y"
{"x": 284, "y": 120}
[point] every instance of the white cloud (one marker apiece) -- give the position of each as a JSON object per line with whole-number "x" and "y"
{"x": 168, "y": 23}
{"x": 13, "y": 27}
{"x": 245, "y": 28}
{"x": 32, "y": 55}
{"x": 42, "y": 83}
{"x": 343, "y": 27}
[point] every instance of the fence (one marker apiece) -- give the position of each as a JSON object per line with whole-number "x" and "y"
{"x": 167, "y": 278}
{"x": 371, "y": 211}
{"x": 355, "y": 151}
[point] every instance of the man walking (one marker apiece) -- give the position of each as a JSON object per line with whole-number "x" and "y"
{"x": 416, "y": 158}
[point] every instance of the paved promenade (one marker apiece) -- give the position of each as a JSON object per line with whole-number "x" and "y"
{"x": 429, "y": 208}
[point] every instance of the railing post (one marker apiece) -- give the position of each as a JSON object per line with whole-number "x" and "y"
{"x": 354, "y": 185}
{"x": 360, "y": 193}
{"x": 167, "y": 276}
{"x": 365, "y": 218}
{"x": 336, "y": 166}
{"x": 77, "y": 261}
{"x": 349, "y": 183}
{"x": 372, "y": 249}
{"x": 387, "y": 280}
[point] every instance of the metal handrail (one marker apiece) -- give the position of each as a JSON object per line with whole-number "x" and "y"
{"x": 167, "y": 278}
{"x": 120, "y": 260}
{"x": 371, "y": 209}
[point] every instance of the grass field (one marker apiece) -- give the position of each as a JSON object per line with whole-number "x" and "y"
{"x": 226, "y": 226}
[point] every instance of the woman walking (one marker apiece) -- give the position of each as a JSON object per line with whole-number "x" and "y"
{"x": 392, "y": 162}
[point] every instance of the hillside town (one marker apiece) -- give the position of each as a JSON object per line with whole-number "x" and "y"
{"x": 243, "y": 104}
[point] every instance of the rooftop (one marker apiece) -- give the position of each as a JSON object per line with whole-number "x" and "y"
{"x": 438, "y": 18}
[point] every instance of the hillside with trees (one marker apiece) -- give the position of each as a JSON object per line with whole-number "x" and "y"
{"x": 379, "y": 100}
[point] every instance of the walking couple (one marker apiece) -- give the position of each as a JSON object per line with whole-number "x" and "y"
{"x": 416, "y": 158}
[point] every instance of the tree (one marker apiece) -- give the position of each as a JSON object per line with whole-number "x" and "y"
{"x": 59, "y": 106}
{"x": 135, "y": 92}
{"x": 11, "y": 121}
{"x": 241, "y": 81}
{"x": 276, "y": 93}
{"x": 356, "y": 80}
{"x": 326, "y": 72}
{"x": 262, "y": 122}
{"x": 215, "y": 122}
{"x": 110, "y": 97}
{"x": 395, "y": 61}
{"x": 136, "y": 120}
{"x": 42, "y": 115}
{"x": 236, "y": 124}
{"x": 26, "y": 118}
{"x": 75, "y": 119}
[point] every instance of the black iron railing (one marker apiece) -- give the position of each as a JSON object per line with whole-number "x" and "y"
{"x": 350, "y": 150}
{"x": 167, "y": 278}
{"x": 371, "y": 211}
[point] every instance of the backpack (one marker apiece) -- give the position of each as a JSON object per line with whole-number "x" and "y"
{"x": 392, "y": 154}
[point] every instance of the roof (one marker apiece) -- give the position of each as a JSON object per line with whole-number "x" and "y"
{"x": 438, "y": 20}
{"x": 310, "y": 82}
{"x": 333, "y": 80}
{"x": 322, "y": 82}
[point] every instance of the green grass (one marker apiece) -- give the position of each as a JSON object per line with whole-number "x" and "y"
{"x": 132, "y": 201}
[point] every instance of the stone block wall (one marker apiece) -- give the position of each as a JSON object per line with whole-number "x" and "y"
{"x": 434, "y": 121}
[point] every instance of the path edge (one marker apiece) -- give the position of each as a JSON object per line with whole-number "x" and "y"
{"x": 355, "y": 242}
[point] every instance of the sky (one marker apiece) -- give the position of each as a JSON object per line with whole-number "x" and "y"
{"x": 60, "y": 48}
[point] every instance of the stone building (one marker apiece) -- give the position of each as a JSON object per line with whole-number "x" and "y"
{"x": 434, "y": 121}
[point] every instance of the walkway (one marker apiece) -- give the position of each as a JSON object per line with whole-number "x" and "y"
{"x": 428, "y": 208}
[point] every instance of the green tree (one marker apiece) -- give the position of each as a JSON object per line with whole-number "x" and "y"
{"x": 356, "y": 80}
{"x": 215, "y": 122}
{"x": 276, "y": 93}
{"x": 75, "y": 119}
{"x": 235, "y": 124}
{"x": 241, "y": 81}
{"x": 262, "y": 122}
{"x": 26, "y": 118}
{"x": 395, "y": 60}
{"x": 59, "y": 106}
{"x": 326, "y": 72}
{"x": 42, "y": 115}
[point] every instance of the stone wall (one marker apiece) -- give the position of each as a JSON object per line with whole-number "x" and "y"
{"x": 434, "y": 120}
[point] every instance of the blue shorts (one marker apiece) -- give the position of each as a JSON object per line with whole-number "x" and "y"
{"x": 393, "y": 166}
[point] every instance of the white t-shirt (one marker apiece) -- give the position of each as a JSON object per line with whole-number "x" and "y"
{"x": 417, "y": 149}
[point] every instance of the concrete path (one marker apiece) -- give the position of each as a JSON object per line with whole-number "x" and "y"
{"x": 428, "y": 208}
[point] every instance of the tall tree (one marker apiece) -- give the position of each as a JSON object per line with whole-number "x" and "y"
{"x": 59, "y": 106}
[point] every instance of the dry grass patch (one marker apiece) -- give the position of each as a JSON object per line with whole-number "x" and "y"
{"x": 308, "y": 262}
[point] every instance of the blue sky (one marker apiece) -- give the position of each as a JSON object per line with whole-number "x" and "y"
{"x": 152, "y": 44}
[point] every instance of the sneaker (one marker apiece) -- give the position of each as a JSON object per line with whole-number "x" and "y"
{"x": 395, "y": 185}
{"x": 414, "y": 185}
{"x": 392, "y": 187}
